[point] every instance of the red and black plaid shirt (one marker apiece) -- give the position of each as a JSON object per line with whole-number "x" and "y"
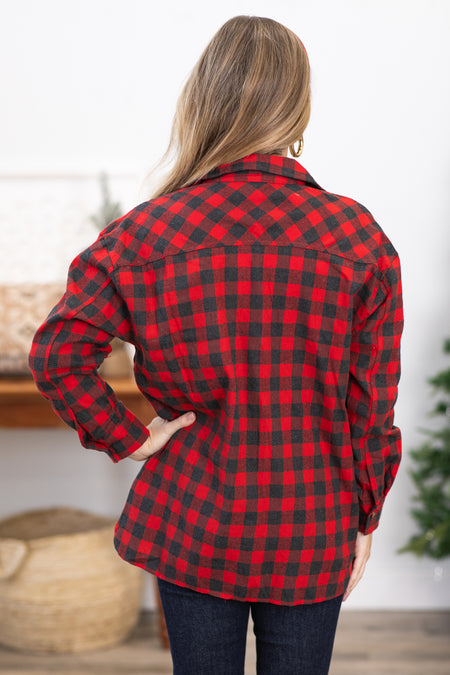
{"x": 273, "y": 309}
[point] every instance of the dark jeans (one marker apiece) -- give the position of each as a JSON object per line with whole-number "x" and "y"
{"x": 207, "y": 634}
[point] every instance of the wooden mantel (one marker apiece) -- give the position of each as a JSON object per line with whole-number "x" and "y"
{"x": 21, "y": 405}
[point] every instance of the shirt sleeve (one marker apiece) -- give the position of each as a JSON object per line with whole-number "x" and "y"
{"x": 73, "y": 342}
{"x": 372, "y": 392}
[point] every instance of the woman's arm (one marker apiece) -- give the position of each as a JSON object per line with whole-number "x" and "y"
{"x": 70, "y": 346}
{"x": 372, "y": 393}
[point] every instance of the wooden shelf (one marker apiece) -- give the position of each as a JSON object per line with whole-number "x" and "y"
{"x": 21, "y": 405}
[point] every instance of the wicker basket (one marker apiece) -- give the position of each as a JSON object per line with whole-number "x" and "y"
{"x": 63, "y": 588}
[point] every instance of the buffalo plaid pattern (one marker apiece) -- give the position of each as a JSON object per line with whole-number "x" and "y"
{"x": 273, "y": 309}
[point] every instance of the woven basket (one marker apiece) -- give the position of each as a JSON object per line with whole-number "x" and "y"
{"x": 63, "y": 588}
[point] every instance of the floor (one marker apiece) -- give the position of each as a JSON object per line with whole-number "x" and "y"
{"x": 367, "y": 643}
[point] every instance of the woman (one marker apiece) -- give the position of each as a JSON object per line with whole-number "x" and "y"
{"x": 266, "y": 314}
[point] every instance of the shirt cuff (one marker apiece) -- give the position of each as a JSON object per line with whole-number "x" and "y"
{"x": 368, "y": 522}
{"x": 119, "y": 440}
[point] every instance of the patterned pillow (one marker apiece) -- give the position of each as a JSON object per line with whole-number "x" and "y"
{"x": 23, "y": 307}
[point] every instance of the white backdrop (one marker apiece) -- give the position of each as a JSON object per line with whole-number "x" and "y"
{"x": 92, "y": 86}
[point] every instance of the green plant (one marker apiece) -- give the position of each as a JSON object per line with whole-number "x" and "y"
{"x": 431, "y": 476}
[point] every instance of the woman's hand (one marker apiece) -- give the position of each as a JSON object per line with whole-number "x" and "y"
{"x": 362, "y": 553}
{"x": 161, "y": 431}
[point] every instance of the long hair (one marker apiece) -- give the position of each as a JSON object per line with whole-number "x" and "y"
{"x": 249, "y": 92}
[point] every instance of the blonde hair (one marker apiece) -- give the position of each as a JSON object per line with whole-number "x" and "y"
{"x": 249, "y": 92}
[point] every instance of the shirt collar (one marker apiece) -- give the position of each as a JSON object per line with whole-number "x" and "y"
{"x": 259, "y": 163}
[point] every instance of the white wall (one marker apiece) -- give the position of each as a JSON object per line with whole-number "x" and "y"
{"x": 92, "y": 85}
